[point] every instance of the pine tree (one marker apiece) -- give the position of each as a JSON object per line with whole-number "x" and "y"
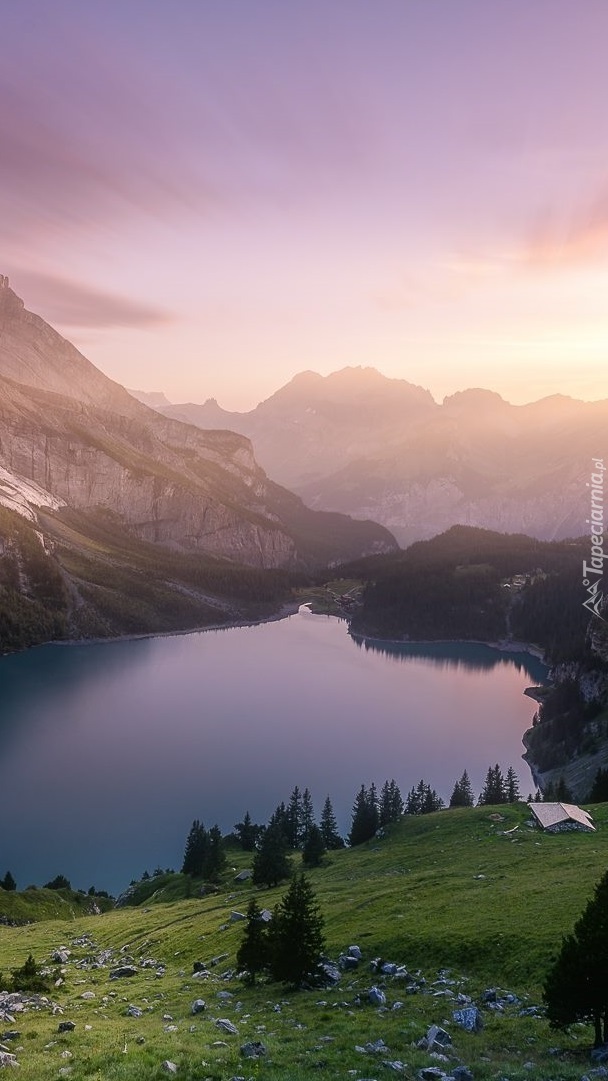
{"x": 462, "y": 795}
{"x": 329, "y": 827}
{"x": 314, "y": 848}
{"x": 271, "y": 863}
{"x": 195, "y": 853}
{"x": 247, "y": 833}
{"x": 494, "y": 787}
{"x": 281, "y": 819}
{"x": 253, "y": 953}
{"x": 308, "y": 817}
{"x": 215, "y": 856}
{"x": 296, "y": 934}
{"x": 575, "y": 988}
{"x": 511, "y": 786}
{"x": 365, "y": 816}
{"x": 294, "y": 818}
{"x": 8, "y": 882}
{"x": 391, "y": 803}
{"x": 563, "y": 793}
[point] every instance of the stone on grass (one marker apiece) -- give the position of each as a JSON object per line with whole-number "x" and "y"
{"x": 469, "y": 1019}
{"x": 88, "y": 994}
{"x": 354, "y": 951}
{"x": 123, "y": 972}
{"x": 462, "y": 1073}
{"x": 376, "y": 996}
{"x": 7, "y": 1060}
{"x": 66, "y": 1026}
{"x": 169, "y": 1067}
{"x": 253, "y": 1049}
{"x": 226, "y": 1026}
{"x": 134, "y": 1011}
{"x": 198, "y": 1005}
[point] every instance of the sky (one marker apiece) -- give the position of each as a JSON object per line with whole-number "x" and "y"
{"x": 210, "y": 196}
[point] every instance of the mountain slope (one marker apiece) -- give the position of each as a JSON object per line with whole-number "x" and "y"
{"x": 381, "y": 448}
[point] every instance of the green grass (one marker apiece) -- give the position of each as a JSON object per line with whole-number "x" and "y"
{"x": 414, "y": 897}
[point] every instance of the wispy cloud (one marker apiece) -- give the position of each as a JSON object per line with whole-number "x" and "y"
{"x": 566, "y": 240}
{"x": 69, "y": 304}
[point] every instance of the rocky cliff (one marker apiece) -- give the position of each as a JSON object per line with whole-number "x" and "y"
{"x": 81, "y": 438}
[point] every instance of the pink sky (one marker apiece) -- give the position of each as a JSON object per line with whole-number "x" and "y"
{"x": 210, "y": 197}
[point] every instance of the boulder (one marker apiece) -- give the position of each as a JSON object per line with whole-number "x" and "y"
{"x": 354, "y": 951}
{"x": 66, "y": 1026}
{"x": 253, "y": 1049}
{"x": 226, "y": 1026}
{"x": 168, "y": 1067}
{"x": 7, "y": 1059}
{"x": 198, "y": 1005}
{"x": 469, "y": 1019}
{"x": 60, "y": 956}
{"x": 376, "y": 997}
{"x": 462, "y": 1073}
{"x": 437, "y": 1037}
{"x": 134, "y": 1011}
{"x": 123, "y": 972}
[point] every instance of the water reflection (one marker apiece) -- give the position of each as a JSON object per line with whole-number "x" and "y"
{"x": 475, "y": 656}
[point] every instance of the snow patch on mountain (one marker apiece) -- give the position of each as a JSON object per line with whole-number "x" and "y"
{"x": 21, "y": 495}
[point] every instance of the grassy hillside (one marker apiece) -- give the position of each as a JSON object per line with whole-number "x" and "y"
{"x": 452, "y": 891}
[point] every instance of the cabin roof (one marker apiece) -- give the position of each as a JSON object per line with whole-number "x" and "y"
{"x": 552, "y": 814}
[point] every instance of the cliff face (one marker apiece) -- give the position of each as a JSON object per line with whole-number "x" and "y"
{"x": 383, "y": 449}
{"x": 81, "y": 438}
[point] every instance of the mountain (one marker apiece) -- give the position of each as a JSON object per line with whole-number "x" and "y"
{"x": 381, "y": 448}
{"x": 103, "y": 480}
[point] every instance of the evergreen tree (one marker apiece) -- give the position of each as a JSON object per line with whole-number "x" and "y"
{"x": 308, "y": 817}
{"x": 575, "y": 988}
{"x": 314, "y": 848}
{"x": 8, "y": 882}
{"x": 253, "y": 952}
{"x": 60, "y": 882}
{"x": 195, "y": 854}
{"x": 511, "y": 786}
{"x": 329, "y": 827}
{"x": 247, "y": 833}
{"x": 563, "y": 793}
{"x": 215, "y": 856}
{"x": 296, "y": 934}
{"x": 391, "y": 803}
{"x": 294, "y": 818}
{"x": 281, "y": 819}
{"x": 422, "y": 800}
{"x": 494, "y": 787}
{"x": 365, "y": 816}
{"x": 462, "y": 795}
{"x": 599, "y": 790}
{"x": 271, "y": 863}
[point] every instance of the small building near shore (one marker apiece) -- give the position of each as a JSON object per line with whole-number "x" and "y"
{"x": 559, "y": 817}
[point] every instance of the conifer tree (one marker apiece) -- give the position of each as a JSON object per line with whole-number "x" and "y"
{"x": 215, "y": 856}
{"x": 563, "y": 793}
{"x": 511, "y": 786}
{"x": 494, "y": 788}
{"x": 599, "y": 790}
{"x": 294, "y": 818}
{"x": 365, "y": 816}
{"x": 253, "y": 952}
{"x": 391, "y": 803}
{"x": 296, "y": 934}
{"x": 247, "y": 833}
{"x": 8, "y": 882}
{"x": 195, "y": 854}
{"x": 329, "y": 827}
{"x": 271, "y": 863}
{"x": 314, "y": 848}
{"x": 307, "y": 818}
{"x": 575, "y": 988}
{"x": 462, "y": 795}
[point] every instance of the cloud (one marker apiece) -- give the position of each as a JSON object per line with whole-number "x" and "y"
{"x": 69, "y": 304}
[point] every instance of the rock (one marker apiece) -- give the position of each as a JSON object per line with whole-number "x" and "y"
{"x": 462, "y": 1073}
{"x": 376, "y": 997}
{"x": 7, "y": 1060}
{"x": 66, "y": 1026}
{"x": 432, "y": 1073}
{"x": 123, "y": 972}
{"x": 12, "y": 1034}
{"x": 88, "y": 994}
{"x": 168, "y": 1067}
{"x": 600, "y": 1054}
{"x": 469, "y": 1019}
{"x": 354, "y": 951}
{"x": 60, "y": 956}
{"x": 226, "y": 1026}
{"x": 348, "y": 963}
{"x": 169, "y": 1028}
{"x": 253, "y": 1049}
{"x": 489, "y": 995}
{"x": 437, "y": 1037}
{"x": 225, "y": 996}
{"x": 199, "y": 967}
{"x": 236, "y": 917}
{"x": 220, "y": 957}
{"x": 265, "y": 915}
{"x": 331, "y": 972}
{"x": 198, "y": 1005}
{"x": 134, "y": 1011}
{"x": 388, "y": 968}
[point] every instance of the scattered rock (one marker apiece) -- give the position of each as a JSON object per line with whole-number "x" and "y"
{"x": 6, "y": 1059}
{"x": 265, "y": 915}
{"x": 330, "y": 972}
{"x": 600, "y": 1054}
{"x": 376, "y": 996}
{"x": 198, "y": 1005}
{"x": 354, "y": 951}
{"x": 134, "y": 1011}
{"x": 469, "y": 1019}
{"x": 123, "y": 972}
{"x": 66, "y": 1026}
{"x": 253, "y": 1049}
{"x": 88, "y": 994}
{"x": 60, "y": 956}
{"x": 168, "y": 1067}
{"x": 198, "y": 967}
{"x": 226, "y": 1026}
{"x": 462, "y": 1073}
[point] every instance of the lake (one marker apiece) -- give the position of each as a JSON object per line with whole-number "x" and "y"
{"x": 110, "y": 750}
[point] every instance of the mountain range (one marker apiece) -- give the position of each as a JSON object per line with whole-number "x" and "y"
{"x": 105, "y": 493}
{"x": 379, "y": 448}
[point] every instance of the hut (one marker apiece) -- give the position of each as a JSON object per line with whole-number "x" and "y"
{"x": 558, "y": 817}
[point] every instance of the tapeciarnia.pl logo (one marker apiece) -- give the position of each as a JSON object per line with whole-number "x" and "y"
{"x": 593, "y": 571}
